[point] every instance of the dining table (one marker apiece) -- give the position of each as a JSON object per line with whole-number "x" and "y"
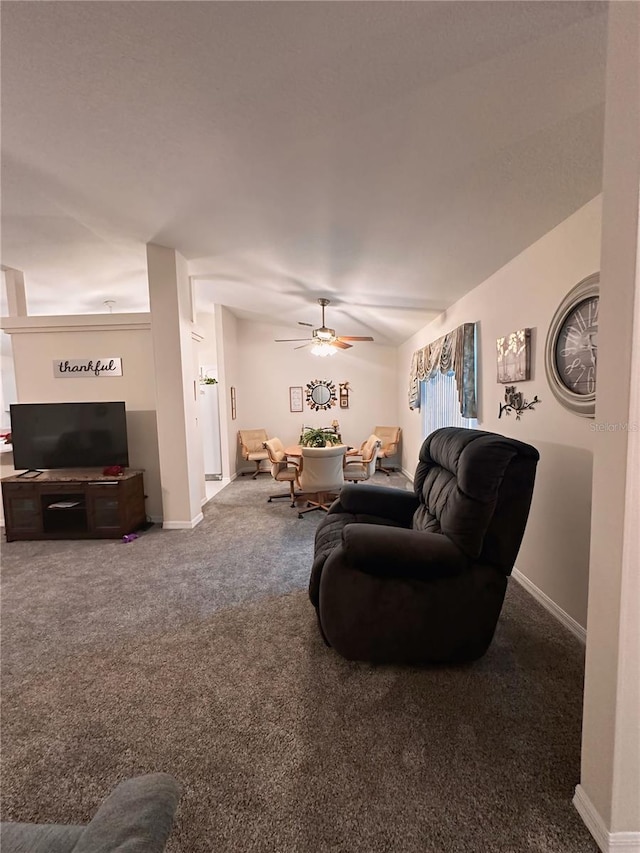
{"x": 294, "y": 451}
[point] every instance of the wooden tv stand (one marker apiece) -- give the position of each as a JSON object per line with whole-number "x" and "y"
{"x": 77, "y": 503}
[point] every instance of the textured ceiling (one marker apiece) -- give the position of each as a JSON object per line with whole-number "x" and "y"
{"x": 388, "y": 155}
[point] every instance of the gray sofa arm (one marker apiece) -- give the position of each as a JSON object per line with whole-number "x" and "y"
{"x": 135, "y": 818}
{"x": 394, "y": 552}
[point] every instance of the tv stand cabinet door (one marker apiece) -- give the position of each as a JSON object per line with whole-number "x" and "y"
{"x": 103, "y": 505}
{"x": 23, "y": 519}
{"x": 115, "y": 509}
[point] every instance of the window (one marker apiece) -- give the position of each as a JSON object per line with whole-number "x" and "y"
{"x": 439, "y": 404}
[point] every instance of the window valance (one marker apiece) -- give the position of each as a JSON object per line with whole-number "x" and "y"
{"x": 454, "y": 353}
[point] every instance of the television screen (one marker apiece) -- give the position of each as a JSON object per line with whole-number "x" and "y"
{"x": 68, "y": 435}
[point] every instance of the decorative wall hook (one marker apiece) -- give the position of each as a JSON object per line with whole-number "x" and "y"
{"x": 515, "y": 402}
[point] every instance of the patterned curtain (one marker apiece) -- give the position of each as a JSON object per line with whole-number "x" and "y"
{"x": 455, "y": 351}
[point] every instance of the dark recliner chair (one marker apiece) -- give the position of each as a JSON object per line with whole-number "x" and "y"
{"x": 419, "y": 577}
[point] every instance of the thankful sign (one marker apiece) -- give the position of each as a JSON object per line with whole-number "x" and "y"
{"x": 76, "y": 368}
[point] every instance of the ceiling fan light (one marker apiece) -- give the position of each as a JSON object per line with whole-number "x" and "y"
{"x": 324, "y": 334}
{"x": 322, "y": 349}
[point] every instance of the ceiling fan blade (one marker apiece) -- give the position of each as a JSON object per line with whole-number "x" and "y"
{"x": 304, "y": 345}
{"x": 338, "y": 343}
{"x": 300, "y": 323}
{"x": 290, "y": 340}
{"x": 353, "y": 338}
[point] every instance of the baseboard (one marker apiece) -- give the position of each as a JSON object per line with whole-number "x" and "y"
{"x": 548, "y": 603}
{"x": 183, "y": 525}
{"x": 608, "y": 842}
{"x": 408, "y": 474}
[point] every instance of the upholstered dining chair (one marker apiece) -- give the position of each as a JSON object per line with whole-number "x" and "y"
{"x": 361, "y": 466}
{"x": 390, "y": 438}
{"x": 252, "y": 449}
{"x": 320, "y": 476}
{"x": 283, "y": 470}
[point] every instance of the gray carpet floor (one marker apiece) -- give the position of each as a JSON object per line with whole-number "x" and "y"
{"x": 197, "y": 653}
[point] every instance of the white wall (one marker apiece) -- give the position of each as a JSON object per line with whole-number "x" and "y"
{"x": 207, "y": 350}
{"x": 269, "y": 368}
{"x": 526, "y": 293}
{"x": 229, "y": 376}
{"x": 175, "y": 374}
{"x": 8, "y": 393}
{"x": 38, "y": 341}
{"x": 608, "y": 797}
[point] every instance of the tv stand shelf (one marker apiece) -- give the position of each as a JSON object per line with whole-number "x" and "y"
{"x": 73, "y": 504}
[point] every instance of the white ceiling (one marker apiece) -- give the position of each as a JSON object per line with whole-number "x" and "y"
{"x": 388, "y": 155}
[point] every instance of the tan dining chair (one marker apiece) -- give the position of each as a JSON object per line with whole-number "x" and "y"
{"x": 320, "y": 476}
{"x": 252, "y": 449}
{"x": 390, "y": 439}
{"x": 362, "y": 465}
{"x": 283, "y": 470}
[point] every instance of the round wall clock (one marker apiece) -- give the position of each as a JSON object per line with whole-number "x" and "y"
{"x": 571, "y": 350}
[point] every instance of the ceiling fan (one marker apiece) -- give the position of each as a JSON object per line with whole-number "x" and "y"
{"x": 324, "y": 341}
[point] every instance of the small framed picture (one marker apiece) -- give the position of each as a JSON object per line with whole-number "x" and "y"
{"x": 295, "y": 398}
{"x": 344, "y": 402}
{"x": 233, "y": 403}
{"x": 514, "y": 357}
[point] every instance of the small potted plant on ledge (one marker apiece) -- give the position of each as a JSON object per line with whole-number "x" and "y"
{"x": 318, "y": 438}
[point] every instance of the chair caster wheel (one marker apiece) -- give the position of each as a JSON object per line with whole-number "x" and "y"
{"x": 268, "y": 500}
{"x": 299, "y": 515}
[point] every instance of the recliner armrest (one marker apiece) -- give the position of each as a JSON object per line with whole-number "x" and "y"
{"x": 397, "y": 505}
{"x": 395, "y": 552}
{"x": 135, "y": 818}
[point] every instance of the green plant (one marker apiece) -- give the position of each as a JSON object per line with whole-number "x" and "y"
{"x": 318, "y": 438}
{"x": 208, "y": 380}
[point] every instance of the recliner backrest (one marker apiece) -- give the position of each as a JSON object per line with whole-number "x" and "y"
{"x": 475, "y": 487}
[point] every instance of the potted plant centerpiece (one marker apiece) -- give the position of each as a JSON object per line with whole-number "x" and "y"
{"x": 318, "y": 438}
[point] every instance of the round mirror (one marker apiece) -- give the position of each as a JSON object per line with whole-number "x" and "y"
{"x": 321, "y": 394}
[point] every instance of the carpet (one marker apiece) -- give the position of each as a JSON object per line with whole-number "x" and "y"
{"x": 197, "y": 653}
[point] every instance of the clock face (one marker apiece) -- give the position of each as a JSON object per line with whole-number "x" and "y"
{"x": 576, "y": 349}
{"x": 571, "y": 348}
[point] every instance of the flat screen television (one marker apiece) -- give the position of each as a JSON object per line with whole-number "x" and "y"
{"x": 68, "y": 435}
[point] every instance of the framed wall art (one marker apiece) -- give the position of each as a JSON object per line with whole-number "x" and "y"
{"x": 514, "y": 357}
{"x": 233, "y": 403}
{"x": 344, "y": 395}
{"x": 296, "y": 399}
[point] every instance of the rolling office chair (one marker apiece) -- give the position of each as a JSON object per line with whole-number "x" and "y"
{"x": 390, "y": 438}
{"x": 320, "y": 477}
{"x": 282, "y": 469}
{"x": 361, "y": 466}
{"x": 252, "y": 449}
